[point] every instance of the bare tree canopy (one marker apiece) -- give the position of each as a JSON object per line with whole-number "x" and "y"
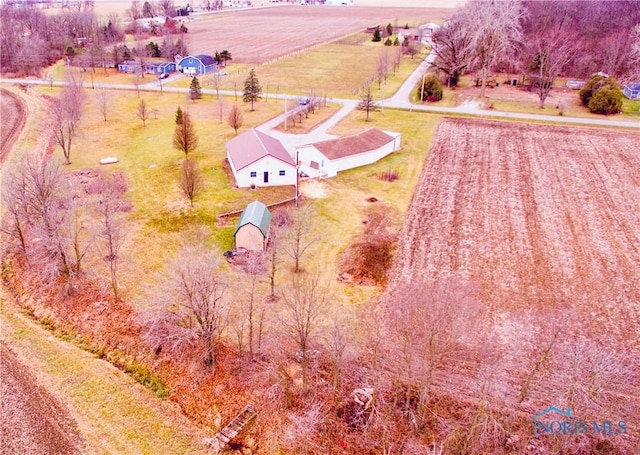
{"x": 304, "y": 301}
{"x": 143, "y": 112}
{"x": 111, "y": 206}
{"x": 191, "y": 295}
{"x": 234, "y": 118}
{"x": 66, "y": 114}
{"x": 191, "y": 181}
{"x": 495, "y": 31}
{"x": 185, "y": 137}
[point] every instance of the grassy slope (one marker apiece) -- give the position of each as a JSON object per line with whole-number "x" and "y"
{"x": 114, "y": 413}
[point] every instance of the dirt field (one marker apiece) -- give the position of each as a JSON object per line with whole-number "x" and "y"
{"x": 32, "y": 421}
{"x": 13, "y": 115}
{"x": 537, "y": 216}
{"x": 262, "y": 34}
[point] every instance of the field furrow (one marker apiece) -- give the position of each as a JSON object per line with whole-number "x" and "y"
{"x": 538, "y": 217}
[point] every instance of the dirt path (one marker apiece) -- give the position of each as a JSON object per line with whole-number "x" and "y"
{"x": 13, "y": 116}
{"x": 31, "y": 420}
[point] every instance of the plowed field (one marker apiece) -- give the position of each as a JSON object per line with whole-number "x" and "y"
{"x": 13, "y": 116}
{"x": 263, "y": 34}
{"x": 538, "y": 217}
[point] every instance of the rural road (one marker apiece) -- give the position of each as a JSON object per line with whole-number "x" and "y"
{"x": 400, "y": 100}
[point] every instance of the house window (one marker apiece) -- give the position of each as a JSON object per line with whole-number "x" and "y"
{"x": 254, "y": 174}
{"x": 281, "y": 173}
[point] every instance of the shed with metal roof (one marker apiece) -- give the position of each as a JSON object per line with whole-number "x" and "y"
{"x": 252, "y": 230}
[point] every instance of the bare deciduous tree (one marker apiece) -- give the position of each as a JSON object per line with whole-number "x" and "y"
{"x": 143, "y": 112}
{"x": 234, "y": 118}
{"x": 104, "y": 101}
{"x": 15, "y": 216}
{"x": 191, "y": 181}
{"x": 251, "y": 312}
{"x": 110, "y": 205}
{"x": 185, "y": 137}
{"x": 452, "y": 47}
{"x": 304, "y": 300}
{"x": 191, "y": 296}
{"x": 66, "y": 114}
{"x": 382, "y": 68}
{"x": 423, "y": 335}
{"x": 547, "y": 56}
{"x": 220, "y": 104}
{"x": 300, "y": 234}
{"x": 495, "y": 31}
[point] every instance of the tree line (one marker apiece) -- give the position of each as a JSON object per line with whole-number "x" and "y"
{"x": 540, "y": 40}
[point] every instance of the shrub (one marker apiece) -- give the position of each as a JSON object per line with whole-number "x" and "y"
{"x": 389, "y": 175}
{"x": 597, "y": 82}
{"x": 431, "y": 89}
{"x": 606, "y": 101}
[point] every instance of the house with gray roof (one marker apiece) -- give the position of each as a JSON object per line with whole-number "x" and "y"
{"x": 252, "y": 230}
{"x": 632, "y": 90}
{"x": 257, "y": 159}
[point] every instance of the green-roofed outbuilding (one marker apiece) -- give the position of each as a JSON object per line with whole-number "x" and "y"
{"x": 252, "y": 230}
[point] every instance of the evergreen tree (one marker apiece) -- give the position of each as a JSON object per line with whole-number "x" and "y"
{"x": 252, "y": 89}
{"x": 431, "y": 90}
{"x": 195, "y": 91}
{"x": 179, "y": 116}
{"x": 377, "y": 36}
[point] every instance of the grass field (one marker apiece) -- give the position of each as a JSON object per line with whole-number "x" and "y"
{"x": 162, "y": 216}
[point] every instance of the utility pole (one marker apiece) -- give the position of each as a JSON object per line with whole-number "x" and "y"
{"x": 285, "y": 114}
{"x": 297, "y": 176}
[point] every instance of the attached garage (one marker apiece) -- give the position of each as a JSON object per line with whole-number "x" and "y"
{"x": 252, "y": 230}
{"x": 327, "y": 158}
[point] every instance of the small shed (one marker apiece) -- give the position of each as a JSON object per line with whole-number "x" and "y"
{"x": 197, "y": 64}
{"x": 252, "y": 230}
{"x": 632, "y": 90}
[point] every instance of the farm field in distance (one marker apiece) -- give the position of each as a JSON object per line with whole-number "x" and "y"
{"x": 536, "y": 216}
{"x": 269, "y": 33}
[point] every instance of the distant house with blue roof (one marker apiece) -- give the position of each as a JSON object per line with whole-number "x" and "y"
{"x": 632, "y": 90}
{"x": 252, "y": 230}
{"x": 197, "y": 64}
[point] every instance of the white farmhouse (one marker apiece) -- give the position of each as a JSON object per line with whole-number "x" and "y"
{"x": 258, "y": 159}
{"x": 327, "y": 158}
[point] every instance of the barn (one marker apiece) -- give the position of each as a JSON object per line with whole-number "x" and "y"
{"x": 327, "y": 158}
{"x": 252, "y": 230}
{"x": 197, "y": 64}
{"x": 632, "y": 90}
{"x": 257, "y": 159}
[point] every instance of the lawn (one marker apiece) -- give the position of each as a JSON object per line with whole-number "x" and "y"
{"x": 162, "y": 216}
